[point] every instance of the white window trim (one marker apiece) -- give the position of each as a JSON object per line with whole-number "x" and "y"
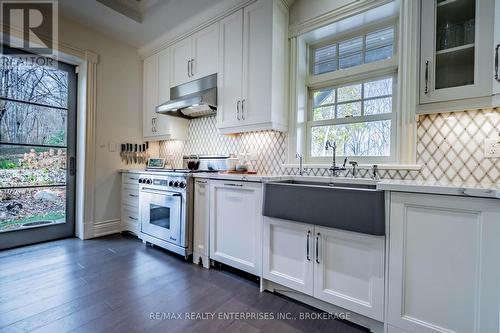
{"x": 405, "y": 60}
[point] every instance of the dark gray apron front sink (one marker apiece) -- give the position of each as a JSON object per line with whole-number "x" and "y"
{"x": 353, "y": 207}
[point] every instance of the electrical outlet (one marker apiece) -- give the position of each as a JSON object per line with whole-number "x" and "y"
{"x": 492, "y": 147}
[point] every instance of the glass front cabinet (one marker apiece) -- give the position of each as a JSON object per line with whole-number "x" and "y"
{"x": 456, "y": 60}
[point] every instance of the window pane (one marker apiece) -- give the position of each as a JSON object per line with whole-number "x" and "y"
{"x": 22, "y": 80}
{"x": 31, "y": 166}
{"x": 380, "y": 38}
{"x": 378, "y": 88}
{"x": 378, "y": 54}
{"x": 326, "y": 53}
{"x": 323, "y": 97}
{"x": 350, "y": 46}
{"x": 349, "y": 110}
{"x": 32, "y": 207}
{"x": 322, "y": 113}
{"x": 358, "y": 139}
{"x": 325, "y": 67}
{"x": 349, "y": 93}
{"x": 30, "y": 124}
{"x": 378, "y": 106}
{"x": 353, "y": 60}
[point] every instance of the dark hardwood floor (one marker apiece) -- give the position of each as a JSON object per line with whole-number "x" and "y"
{"x": 116, "y": 284}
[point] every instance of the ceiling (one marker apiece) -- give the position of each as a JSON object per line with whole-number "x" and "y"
{"x": 135, "y": 22}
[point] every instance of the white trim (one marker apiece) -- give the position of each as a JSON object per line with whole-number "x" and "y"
{"x": 104, "y": 228}
{"x": 341, "y": 13}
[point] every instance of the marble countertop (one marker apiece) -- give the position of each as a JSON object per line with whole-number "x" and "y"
{"x": 483, "y": 190}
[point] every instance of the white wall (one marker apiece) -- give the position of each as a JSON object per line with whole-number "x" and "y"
{"x": 119, "y": 109}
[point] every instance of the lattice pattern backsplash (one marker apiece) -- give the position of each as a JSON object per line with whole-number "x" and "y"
{"x": 449, "y": 147}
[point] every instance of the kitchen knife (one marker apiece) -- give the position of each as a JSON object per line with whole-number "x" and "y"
{"x": 135, "y": 153}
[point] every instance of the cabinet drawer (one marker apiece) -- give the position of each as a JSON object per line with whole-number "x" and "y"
{"x": 130, "y": 197}
{"x": 130, "y": 219}
{"x": 130, "y": 178}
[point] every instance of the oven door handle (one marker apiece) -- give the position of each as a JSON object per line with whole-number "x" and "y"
{"x": 155, "y": 191}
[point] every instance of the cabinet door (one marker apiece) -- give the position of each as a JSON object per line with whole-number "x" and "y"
{"x": 206, "y": 51}
{"x": 150, "y": 95}
{"x": 236, "y": 224}
{"x": 287, "y": 254}
{"x": 496, "y": 45}
{"x": 181, "y": 62}
{"x": 455, "y": 50}
{"x": 201, "y": 217}
{"x": 257, "y": 63}
{"x": 444, "y": 273}
{"x": 230, "y": 66}
{"x": 349, "y": 270}
{"x": 161, "y": 121}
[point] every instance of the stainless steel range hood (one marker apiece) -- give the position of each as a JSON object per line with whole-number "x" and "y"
{"x": 197, "y": 98}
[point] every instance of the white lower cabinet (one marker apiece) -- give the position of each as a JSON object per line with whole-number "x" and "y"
{"x": 444, "y": 267}
{"x": 339, "y": 267}
{"x": 236, "y": 224}
{"x": 130, "y": 202}
{"x": 201, "y": 222}
{"x": 349, "y": 270}
{"x": 288, "y": 254}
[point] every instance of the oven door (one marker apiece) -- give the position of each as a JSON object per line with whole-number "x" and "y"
{"x": 161, "y": 214}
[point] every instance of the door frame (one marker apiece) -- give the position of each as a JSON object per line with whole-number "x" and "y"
{"x": 17, "y": 238}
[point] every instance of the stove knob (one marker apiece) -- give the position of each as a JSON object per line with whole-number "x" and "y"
{"x": 171, "y": 183}
{"x": 176, "y": 184}
{"x": 182, "y": 185}
{"x": 140, "y": 180}
{"x": 149, "y": 181}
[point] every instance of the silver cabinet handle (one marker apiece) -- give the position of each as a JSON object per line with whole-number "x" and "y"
{"x": 426, "y": 89}
{"x": 132, "y": 218}
{"x": 496, "y": 62}
{"x": 230, "y": 184}
{"x": 133, "y": 195}
{"x": 317, "y": 247}
{"x": 192, "y": 72}
{"x": 201, "y": 181}
{"x": 189, "y": 66}
{"x": 307, "y": 246}
{"x": 238, "y": 110}
{"x": 243, "y": 109}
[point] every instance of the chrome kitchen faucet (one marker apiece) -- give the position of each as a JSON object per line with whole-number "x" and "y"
{"x": 334, "y": 168}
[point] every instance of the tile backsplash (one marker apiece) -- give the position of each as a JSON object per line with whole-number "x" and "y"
{"x": 449, "y": 147}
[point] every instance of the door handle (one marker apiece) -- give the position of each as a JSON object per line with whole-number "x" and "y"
{"x": 229, "y": 184}
{"x": 496, "y": 62}
{"x": 243, "y": 109}
{"x": 192, "y": 71}
{"x": 238, "y": 110}
{"x": 307, "y": 246}
{"x": 426, "y": 89}
{"x": 317, "y": 247}
{"x": 72, "y": 166}
{"x": 189, "y": 66}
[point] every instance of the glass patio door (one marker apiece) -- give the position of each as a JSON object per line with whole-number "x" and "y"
{"x": 37, "y": 149}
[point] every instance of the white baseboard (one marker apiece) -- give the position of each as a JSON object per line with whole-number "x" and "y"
{"x": 104, "y": 228}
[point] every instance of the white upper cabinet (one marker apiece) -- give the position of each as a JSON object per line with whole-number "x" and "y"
{"x": 230, "y": 67}
{"x": 205, "y": 51}
{"x": 444, "y": 272}
{"x": 456, "y": 57}
{"x": 496, "y": 45}
{"x": 156, "y": 90}
{"x": 181, "y": 62}
{"x": 195, "y": 56}
{"x": 253, "y": 67}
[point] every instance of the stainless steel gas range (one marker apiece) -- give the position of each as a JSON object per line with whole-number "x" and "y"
{"x": 166, "y": 204}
